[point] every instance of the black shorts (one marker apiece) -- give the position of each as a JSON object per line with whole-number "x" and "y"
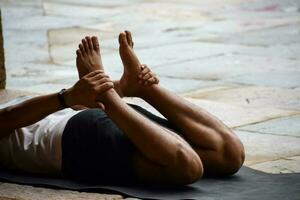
{"x": 95, "y": 149}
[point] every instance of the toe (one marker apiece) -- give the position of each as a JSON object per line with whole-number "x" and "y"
{"x": 129, "y": 38}
{"x": 82, "y": 50}
{"x": 85, "y": 45}
{"x": 78, "y": 53}
{"x": 122, "y": 39}
{"x": 95, "y": 43}
{"x": 89, "y": 42}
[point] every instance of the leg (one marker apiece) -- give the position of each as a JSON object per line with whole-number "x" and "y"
{"x": 161, "y": 152}
{"x": 219, "y": 149}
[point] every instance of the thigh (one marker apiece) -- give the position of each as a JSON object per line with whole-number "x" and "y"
{"x": 145, "y": 169}
{"x": 95, "y": 149}
{"x": 161, "y": 121}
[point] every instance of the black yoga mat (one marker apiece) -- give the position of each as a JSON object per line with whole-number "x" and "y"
{"x": 246, "y": 184}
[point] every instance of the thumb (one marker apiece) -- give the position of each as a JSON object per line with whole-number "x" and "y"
{"x": 100, "y": 105}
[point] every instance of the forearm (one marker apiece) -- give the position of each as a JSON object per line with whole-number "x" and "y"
{"x": 150, "y": 139}
{"x": 117, "y": 88}
{"x": 27, "y": 112}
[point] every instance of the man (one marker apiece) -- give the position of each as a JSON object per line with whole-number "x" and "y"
{"x": 116, "y": 141}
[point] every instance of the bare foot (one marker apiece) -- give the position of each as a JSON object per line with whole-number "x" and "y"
{"x": 135, "y": 75}
{"x": 88, "y": 56}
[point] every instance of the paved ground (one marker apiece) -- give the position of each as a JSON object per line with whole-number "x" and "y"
{"x": 238, "y": 59}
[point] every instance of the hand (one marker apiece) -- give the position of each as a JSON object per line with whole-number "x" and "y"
{"x": 146, "y": 77}
{"x": 89, "y": 90}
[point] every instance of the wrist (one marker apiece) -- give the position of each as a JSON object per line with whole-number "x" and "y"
{"x": 108, "y": 95}
{"x": 69, "y": 97}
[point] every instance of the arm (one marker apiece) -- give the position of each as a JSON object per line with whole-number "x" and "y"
{"x": 27, "y": 113}
{"x": 84, "y": 92}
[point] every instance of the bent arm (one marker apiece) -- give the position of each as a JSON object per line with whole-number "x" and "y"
{"x": 27, "y": 113}
{"x": 84, "y": 92}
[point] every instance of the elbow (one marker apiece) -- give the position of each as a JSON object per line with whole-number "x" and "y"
{"x": 6, "y": 122}
{"x": 5, "y": 114}
{"x": 189, "y": 166}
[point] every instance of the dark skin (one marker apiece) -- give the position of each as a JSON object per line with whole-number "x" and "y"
{"x": 162, "y": 156}
{"x": 83, "y": 92}
{"x": 219, "y": 149}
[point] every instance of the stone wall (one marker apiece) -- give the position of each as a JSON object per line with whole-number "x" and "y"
{"x": 2, "y": 62}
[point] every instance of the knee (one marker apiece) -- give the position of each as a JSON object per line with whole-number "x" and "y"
{"x": 190, "y": 168}
{"x": 233, "y": 156}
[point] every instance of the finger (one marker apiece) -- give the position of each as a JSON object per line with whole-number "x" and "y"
{"x": 156, "y": 80}
{"x": 147, "y": 76}
{"x": 143, "y": 66}
{"x": 145, "y": 83}
{"x": 100, "y": 105}
{"x": 103, "y": 87}
{"x": 85, "y": 45}
{"x": 152, "y": 80}
{"x": 82, "y": 50}
{"x": 93, "y": 73}
{"x": 98, "y": 77}
{"x": 89, "y": 41}
{"x": 101, "y": 81}
{"x": 144, "y": 72}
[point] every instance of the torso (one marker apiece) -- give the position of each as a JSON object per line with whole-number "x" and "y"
{"x": 35, "y": 148}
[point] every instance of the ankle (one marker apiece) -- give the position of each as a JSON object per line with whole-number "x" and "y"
{"x": 146, "y": 92}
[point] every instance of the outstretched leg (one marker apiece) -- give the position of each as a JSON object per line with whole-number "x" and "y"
{"x": 162, "y": 155}
{"x": 218, "y": 147}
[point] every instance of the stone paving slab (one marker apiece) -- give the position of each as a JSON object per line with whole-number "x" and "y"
{"x": 96, "y": 3}
{"x": 270, "y": 5}
{"x": 284, "y": 79}
{"x": 248, "y": 25}
{"x": 37, "y": 80}
{"x": 286, "y": 165}
{"x": 234, "y": 116}
{"x": 6, "y": 95}
{"x": 252, "y": 96}
{"x": 64, "y": 42}
{"x": 226, "y": 66}
{"x": 283, "y": 126}
{"x": 40, "y": 21}
{"x": 280, "y": 35}
{"x": 266, "y": 147}
{"x": 169, "y": 54}
{"x": 78, "y": 11}
{"x": 244, "y": 52}
{"x": 275, "y": 51}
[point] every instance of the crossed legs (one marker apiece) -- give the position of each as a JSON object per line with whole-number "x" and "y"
{"x": 207, "y": 146}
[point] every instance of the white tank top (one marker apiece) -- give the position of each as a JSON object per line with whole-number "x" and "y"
{"x": 35, "y": 148}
